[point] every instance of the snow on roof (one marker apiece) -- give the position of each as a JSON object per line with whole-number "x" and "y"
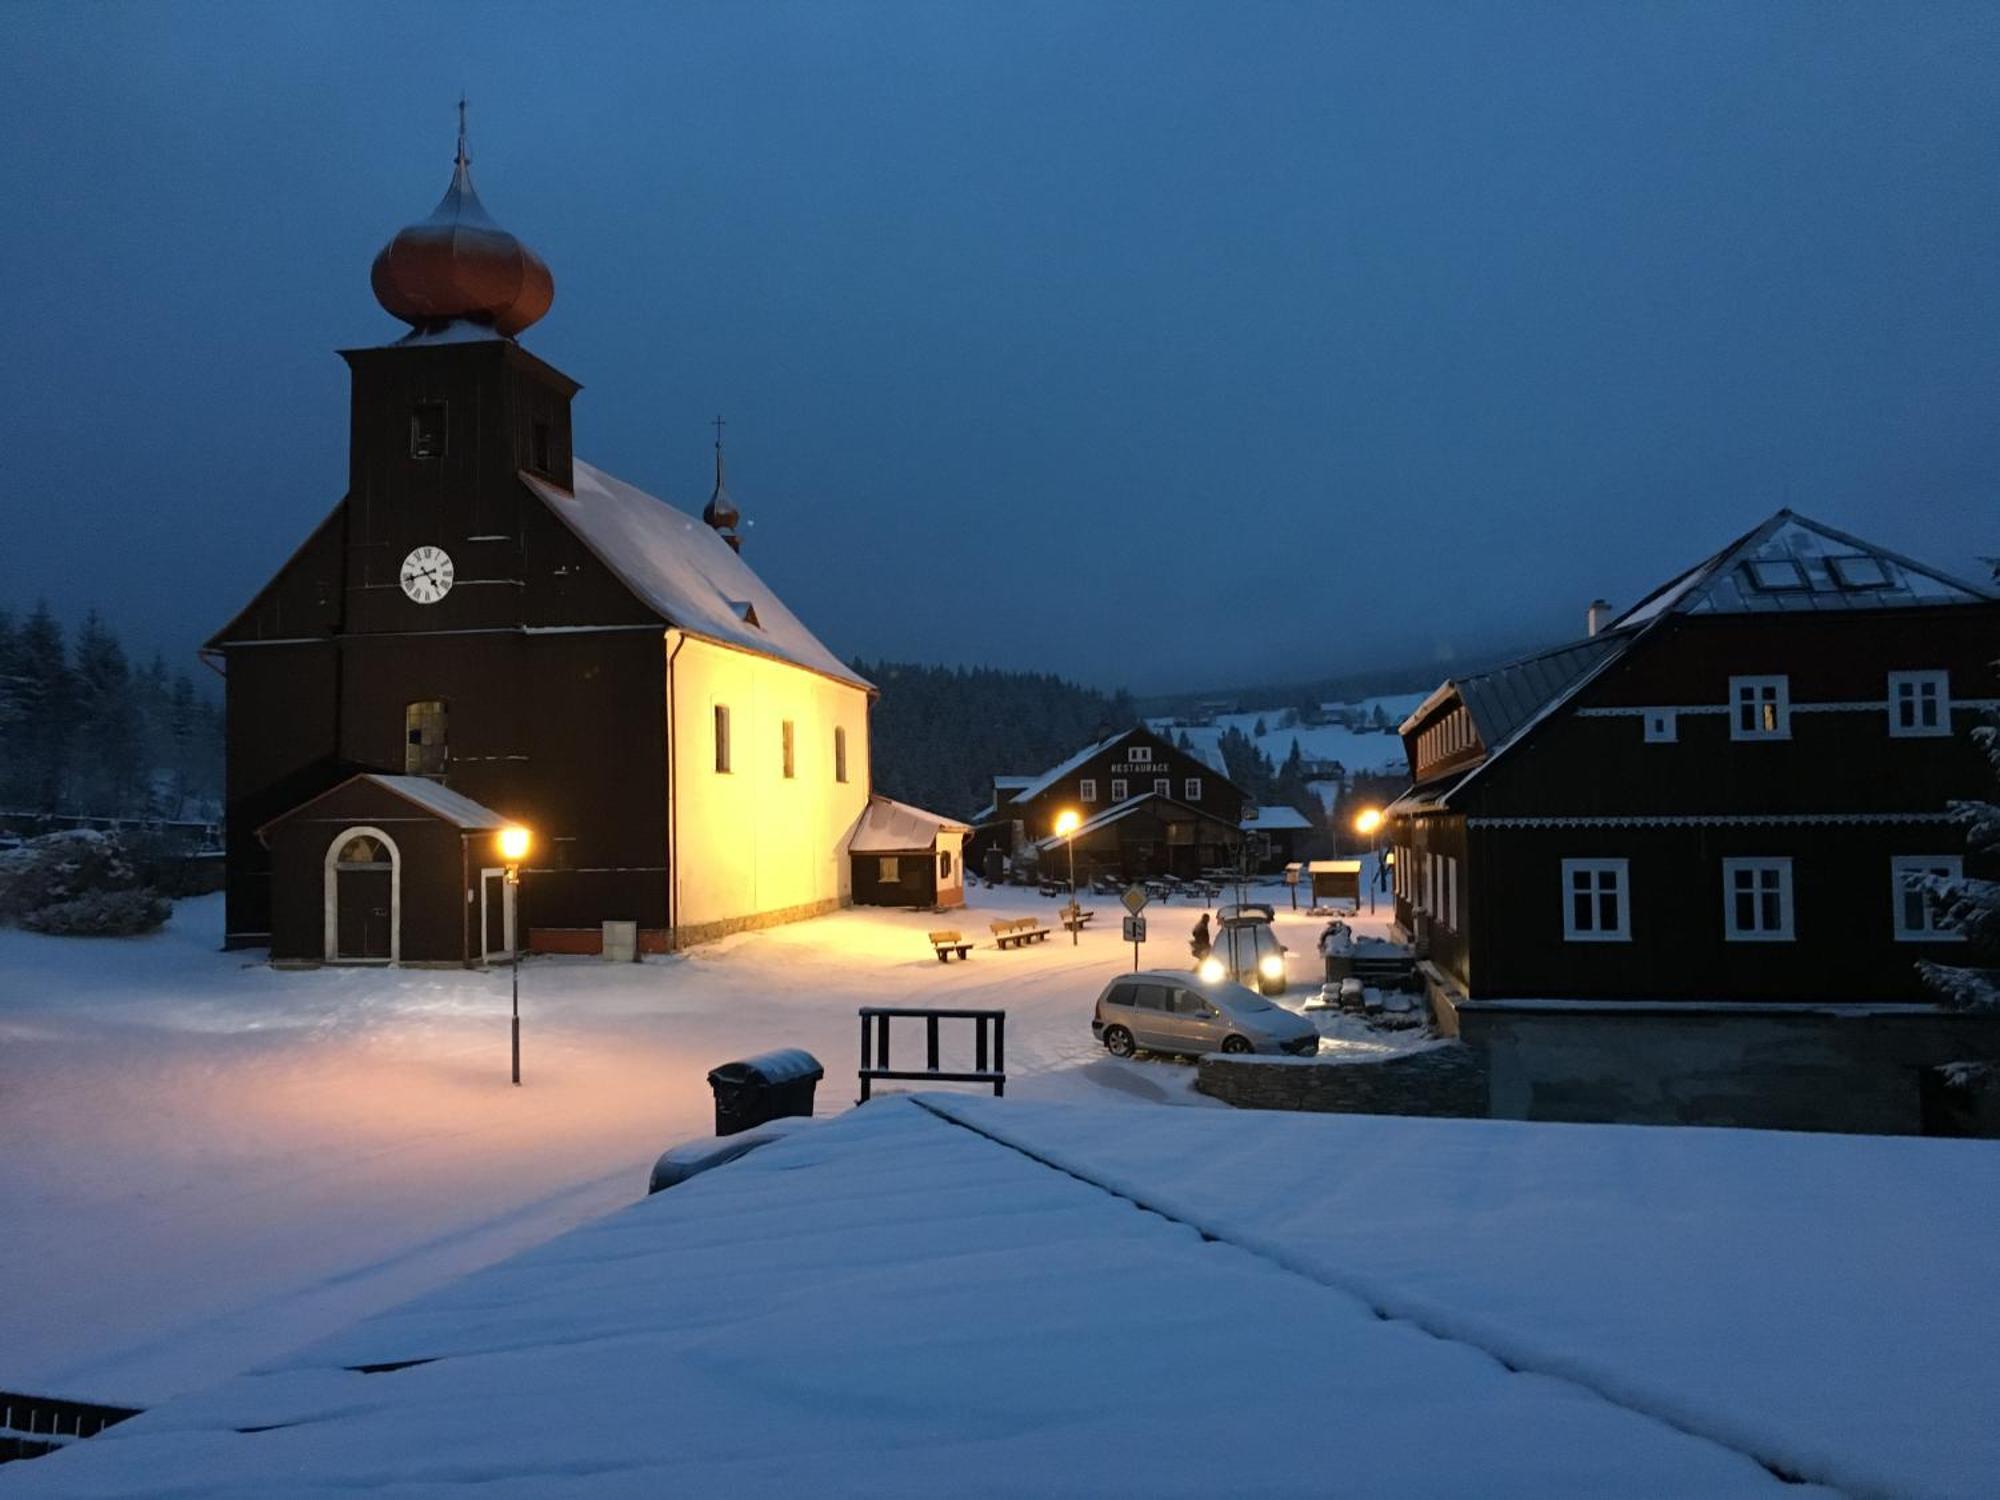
{"x": 1036, "y": 785}
{"x": 1011, "y": 783}
{"x": 1269, "y": 819}
{"x": 684, "y": 570}
{"x": 453, "y": 807}
{"x": 904, "y": 1301}
{"x": 1791, "y": 564}
{"x": 891, "y": 827}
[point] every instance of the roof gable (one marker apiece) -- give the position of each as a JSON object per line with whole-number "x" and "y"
{"x": 429, "y": 796}
{"x": 891, "y": 827}
{"x": 1036, "y": 786}
{"x": 683, "y": 570}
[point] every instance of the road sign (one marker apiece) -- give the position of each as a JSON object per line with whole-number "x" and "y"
{"x": 1135, "y": 898}
{"x": 1135, "y": 929}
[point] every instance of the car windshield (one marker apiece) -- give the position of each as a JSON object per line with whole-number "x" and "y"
{"x": 1246, "y": 1000}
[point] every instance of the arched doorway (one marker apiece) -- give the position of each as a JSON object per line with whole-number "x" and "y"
{"x": 364, "y": 898}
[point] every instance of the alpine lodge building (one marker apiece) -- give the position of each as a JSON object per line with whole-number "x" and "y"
{"x": 488, "y": 630}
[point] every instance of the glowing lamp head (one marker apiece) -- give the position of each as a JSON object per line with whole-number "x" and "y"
{"x": 514, "y": 843}
{"x": 1271, "y": 966}
{"x": 1367, "y": 821}
{"x": 1211, "y": 970}
{"x": 1068, "y": 821}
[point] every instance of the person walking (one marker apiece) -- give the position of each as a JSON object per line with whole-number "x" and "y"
{"x": 1200, "y": 944}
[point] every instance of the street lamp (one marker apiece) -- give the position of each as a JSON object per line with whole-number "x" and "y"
{"x": 515, "y": 842}
{"x": 1067, "y": 823}
{"x": 1368, "y": 823}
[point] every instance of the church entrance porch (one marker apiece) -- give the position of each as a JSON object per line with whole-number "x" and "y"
{"x": 386, "y": 869}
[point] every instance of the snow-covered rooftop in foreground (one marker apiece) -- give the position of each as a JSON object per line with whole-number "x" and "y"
{"x": 684, "y": 569}
{"x": 908, "y": 1301}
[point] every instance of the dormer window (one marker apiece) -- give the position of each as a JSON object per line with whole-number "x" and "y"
{"x": 538, "y": 449}
{"x": 428, "y": 429}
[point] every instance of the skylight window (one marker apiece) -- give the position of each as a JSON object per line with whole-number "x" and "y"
{"x": 1778, "y": 575}
{"x": 1860, "y": 572}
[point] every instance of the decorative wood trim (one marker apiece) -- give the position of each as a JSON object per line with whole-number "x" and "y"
{"x": 1715, "y": 820}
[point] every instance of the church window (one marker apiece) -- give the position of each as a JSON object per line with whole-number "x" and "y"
{"x": 424, "y": 746}
{"x": 944, "y": 864}
{"x": 428, "y": 429}
{"x": 722, "y": 739}
{"x": 364, "y": 853}
{"x": 538, "y": 449}
{"x": 839, "y": 753}
{"x": 790, "y": 743}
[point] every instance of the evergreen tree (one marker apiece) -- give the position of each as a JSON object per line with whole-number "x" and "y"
{"x": 1970, "y": 906}
{"x": 44, "y": 702}
{"x": 106, "y": 759}
{"x": 1260, "y": 729}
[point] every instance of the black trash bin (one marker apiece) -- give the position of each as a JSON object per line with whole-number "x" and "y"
{"x": 768, "y": 1086}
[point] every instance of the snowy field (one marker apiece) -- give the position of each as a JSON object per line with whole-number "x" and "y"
{"x": 1360, "y": 750}
{"x": 209, "y": 1162}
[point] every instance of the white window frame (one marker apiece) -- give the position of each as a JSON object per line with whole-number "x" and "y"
{"x": 1163, "y": 786}
{"x": 1785, "y": 930}
{"x": 1121, "y": 789}
{"x": 1139, "y": 755}
{"x": 1086, "y": 789}
{"x": 1916, "y": 682}
{"x": 1611, "y": 877}
{"x": 1191, "y": 789}
{"x": 1663, "y": 726}
{"x": 1749, "y": 692}
{"x": 1903, "y": 868}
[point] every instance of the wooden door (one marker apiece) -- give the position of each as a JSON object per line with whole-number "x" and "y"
{"x": 493, "y": 904}
{"x": 363, "y": 918}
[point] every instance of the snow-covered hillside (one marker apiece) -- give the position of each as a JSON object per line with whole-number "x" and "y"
{"x": 1362, "y": 750}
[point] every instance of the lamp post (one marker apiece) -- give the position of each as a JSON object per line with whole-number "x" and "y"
{"x": 1067, "y": 822}
{"x": 1368, "y": 823}
{"x": 514, "y": 843}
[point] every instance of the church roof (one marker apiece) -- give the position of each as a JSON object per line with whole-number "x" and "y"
{"x": 433, "y": 797}
{"x": 684, "y": 570}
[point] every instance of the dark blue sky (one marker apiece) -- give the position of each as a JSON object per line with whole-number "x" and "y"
{"x": 1164, "y": 345}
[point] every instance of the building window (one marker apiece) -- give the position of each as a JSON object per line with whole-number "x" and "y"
{"x": 1919, "y": 704}
{"x": 1662, "y": 726}
{"x": 1086, "y": 789}
{"x": 1163, "y": 786}
{"x": 1757, "y": 900}
{"x": 1451, "y": 892}
{"x": 1191, "y": 789}
{"x": 790, "y": 741}
{"x": 839, "y": 754}
{"x": 1139, "y": 755}
{"x": 944, "y": 864}
{"x": 1916, "y": 918}
{"x": 722, "y": 739}
{"x": 887, "y": 870}
{"x": 424, "y": 749}
{"x": 1760, "y": 708}
{"x": 538, "y": 449}
{"x": 1119, "y": 790}
{"x": 1597, "y": 904}
{"x": 429, "y": 427}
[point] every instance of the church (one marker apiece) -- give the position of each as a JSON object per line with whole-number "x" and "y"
{"x": 488, "y": 631}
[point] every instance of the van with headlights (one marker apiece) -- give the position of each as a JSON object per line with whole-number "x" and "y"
{"x": 1246, "y": 949}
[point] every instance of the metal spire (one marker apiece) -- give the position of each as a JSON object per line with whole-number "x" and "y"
{"x": 464, "y": 158}
{"x": 720, "y": 512}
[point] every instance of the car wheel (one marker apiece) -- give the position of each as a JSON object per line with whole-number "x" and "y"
{"x": 1118, "y": 1041}
{"x": 1235, "y": 1044}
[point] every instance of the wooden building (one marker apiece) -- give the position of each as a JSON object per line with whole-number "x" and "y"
{"x": 1147, "y": 808}
{"x": 1720, "y": 796}
{"x": 904, "y": 856}
{"x": 488, "y": 615}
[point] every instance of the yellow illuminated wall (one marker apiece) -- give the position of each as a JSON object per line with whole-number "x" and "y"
{"x": 751, "y": 840}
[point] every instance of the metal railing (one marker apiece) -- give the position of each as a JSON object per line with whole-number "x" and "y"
{"x": 988, "y": 1065}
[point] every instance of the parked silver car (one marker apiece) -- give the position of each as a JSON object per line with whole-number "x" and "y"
{"x": 1171, "y": 1010}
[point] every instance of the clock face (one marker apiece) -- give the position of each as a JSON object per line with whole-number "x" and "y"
{"x": 427, "y": 575}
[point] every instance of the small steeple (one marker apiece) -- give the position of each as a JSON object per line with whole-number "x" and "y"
{"x": 720, "y": 512}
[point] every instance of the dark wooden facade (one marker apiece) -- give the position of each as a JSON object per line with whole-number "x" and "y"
{"x": 549, "y": 668}
{"x": 1633, "y": 760}
{"x": 915, "y": 881}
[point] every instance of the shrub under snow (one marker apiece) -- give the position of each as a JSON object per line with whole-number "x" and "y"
{"x": 81, "y": 881}
{"x": 101, "y": 914}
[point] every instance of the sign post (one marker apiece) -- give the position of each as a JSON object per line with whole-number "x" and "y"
{"x": 1134, "y": 901}
{"x": 1292, "y": 880}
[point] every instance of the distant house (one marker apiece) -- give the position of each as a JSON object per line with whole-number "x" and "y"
{"x": 1274, "y": 834}
{"x": 1146, "y": 808}
{"x": 1720, "y": 797}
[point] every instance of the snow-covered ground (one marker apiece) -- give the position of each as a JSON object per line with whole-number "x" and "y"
{"x": 1363, "y": 750}
{"x": 894, "y": 1304}
{"x": 208, "y": 1162}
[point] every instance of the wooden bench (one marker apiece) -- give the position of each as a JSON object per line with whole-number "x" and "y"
{"x": 947, "y": 943}
{"x": 1013, "y": 934}
{"x": 1075, "y": 919}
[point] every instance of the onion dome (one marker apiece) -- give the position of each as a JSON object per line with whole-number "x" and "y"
{"x": 720, "y": 512}
{"x": 459, "y": 264}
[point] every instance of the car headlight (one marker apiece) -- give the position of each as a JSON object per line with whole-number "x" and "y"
{"x": 1271, "y": 966}
{"x": 1212, "y": 971}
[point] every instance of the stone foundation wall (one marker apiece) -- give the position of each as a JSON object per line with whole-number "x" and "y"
{"x": 1859, "y": 1069}
{"x": 588, "y": 940}
{"x": 1449, "y": 1081}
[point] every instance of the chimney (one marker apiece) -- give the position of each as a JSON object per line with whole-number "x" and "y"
{"x": 1596, "y": 616}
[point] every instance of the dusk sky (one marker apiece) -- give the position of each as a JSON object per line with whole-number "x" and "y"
{"x": 1164, "y": 346}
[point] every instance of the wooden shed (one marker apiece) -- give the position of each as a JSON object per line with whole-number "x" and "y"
{"x": 904, "y": 856}
{"x": 1335, "y": 880}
